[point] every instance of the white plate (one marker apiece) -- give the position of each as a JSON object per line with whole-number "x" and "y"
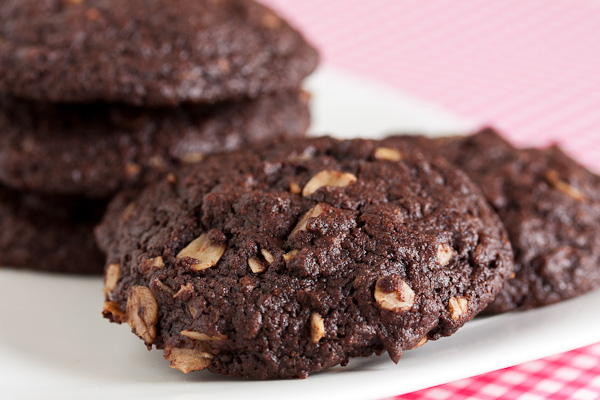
{"x": 55, "y": 345}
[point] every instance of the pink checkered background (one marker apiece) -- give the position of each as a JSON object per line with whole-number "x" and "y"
{"x": 528, "y": 67}
{"x": 573, "y": 375}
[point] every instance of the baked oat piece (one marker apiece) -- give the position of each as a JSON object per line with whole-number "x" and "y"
{"x": 147, "y": 52}
{"x": 49, "y": 233}
{"x": 550, "y": 206}
{"x": 95, "y": 149}
{"x": 291, "y": 256}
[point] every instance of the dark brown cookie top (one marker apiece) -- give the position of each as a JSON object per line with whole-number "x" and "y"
{"x": 291, "y": 256}
{"x": 48, "y": 233}
{"x": 93, "y": 150}
{"x": 550, "y": 206}
{"x": 147, "y": 52}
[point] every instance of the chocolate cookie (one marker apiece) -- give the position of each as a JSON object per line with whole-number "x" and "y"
{"x": 293, "y": 255}
{"x": 550, "y": 207}
{"x": 93, "y": 150}
{"x": 49, "y": 233}
{"x": 147, "y": 52}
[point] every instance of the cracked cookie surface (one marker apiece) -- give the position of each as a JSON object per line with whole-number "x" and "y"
{"x": 293, "y": 255}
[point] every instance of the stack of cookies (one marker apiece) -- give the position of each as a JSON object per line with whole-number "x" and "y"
{"x": 98, "y": 96}
{"x": 234, "y": 248}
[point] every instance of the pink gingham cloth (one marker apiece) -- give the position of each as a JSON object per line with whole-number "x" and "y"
{"x": 530, "y": 68}
{"x": 574, "y": 375}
